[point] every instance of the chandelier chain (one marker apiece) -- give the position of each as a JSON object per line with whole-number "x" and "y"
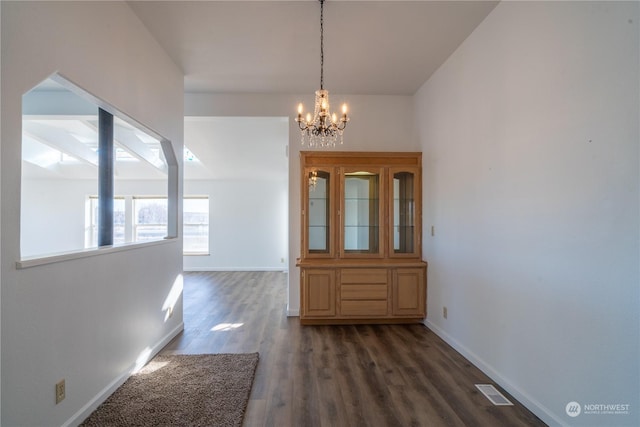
{"x": 321, "y": 44}
{"x": 322, "y": 129}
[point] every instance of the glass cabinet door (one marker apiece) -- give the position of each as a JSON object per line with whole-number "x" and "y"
{"x": 404, "y": 214}
{"x": 361, "y": 212}
{"x": 318, "y": 212}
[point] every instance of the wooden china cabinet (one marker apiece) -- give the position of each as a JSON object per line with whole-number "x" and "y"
{"x": 361, "y": 251}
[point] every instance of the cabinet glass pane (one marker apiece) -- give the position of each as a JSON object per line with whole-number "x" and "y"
{"x": 361, "y": 213}
{"x": 403, "y": 212}
{"x": 318, "y": 210}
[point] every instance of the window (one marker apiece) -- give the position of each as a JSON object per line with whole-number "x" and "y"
{"x": 59, "y": 168}
{"x": 144, "y": 219}
{"x": 196, "y": 226}
{"x": 119, "y": 222}
{"x": 65, "y": 174}
{"x": 150, "y": 219}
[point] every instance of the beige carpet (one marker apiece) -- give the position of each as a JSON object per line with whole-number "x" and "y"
{"x": 182, "y": 390}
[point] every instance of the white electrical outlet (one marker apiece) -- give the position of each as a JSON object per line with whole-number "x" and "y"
{"x": 60, "y": 391}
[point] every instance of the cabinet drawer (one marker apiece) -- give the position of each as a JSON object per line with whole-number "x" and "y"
{"x": 366, "y": 308}
{"x": 363, "y": 292}
{"x": 364, "y": 275}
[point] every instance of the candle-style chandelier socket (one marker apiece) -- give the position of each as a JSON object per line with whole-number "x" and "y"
{"x": 322, "y": 129}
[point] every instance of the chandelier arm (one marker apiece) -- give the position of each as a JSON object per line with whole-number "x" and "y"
{"x": 302, "y": 126}
{"x": 342, "y": 125}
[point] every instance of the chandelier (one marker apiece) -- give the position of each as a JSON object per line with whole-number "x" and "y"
{"x": 313, "y": 180}
{"x": 323, "y": 128}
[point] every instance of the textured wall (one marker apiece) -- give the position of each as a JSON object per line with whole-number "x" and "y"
{"x": 87, "y": 319}
{"x": 530, "y": 139}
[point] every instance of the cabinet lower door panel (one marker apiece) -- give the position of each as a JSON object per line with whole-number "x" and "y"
{"x": 409, "y": 292}
{"x": 318, "y": 293}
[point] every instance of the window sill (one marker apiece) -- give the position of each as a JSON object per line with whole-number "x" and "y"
{"x": 86, "y": 253}
{"x": 196, "y": 254}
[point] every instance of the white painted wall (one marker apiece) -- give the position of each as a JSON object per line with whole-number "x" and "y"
{"x": 0, "y": 217}
{"x": 378, "y": 123}
{"x": 247, "y": 225}
{"x": 86, "y": 320}
{"x": 62, "y": 202}
{"x": 248, "y": 219}
{"x": 53, "y": 202}
{"x": 530, "y": 139}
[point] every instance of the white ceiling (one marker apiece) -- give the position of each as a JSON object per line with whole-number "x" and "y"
{"x": 371, "y": 47}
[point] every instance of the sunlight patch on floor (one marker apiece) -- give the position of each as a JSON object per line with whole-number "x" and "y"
{"x": 151, "y": 367}
{"x": 223, "y": 327}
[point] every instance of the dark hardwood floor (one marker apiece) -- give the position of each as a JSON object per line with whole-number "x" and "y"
{"x": 366, "y": 375}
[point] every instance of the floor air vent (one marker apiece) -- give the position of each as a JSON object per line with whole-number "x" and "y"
{"x": 493, "y": 395}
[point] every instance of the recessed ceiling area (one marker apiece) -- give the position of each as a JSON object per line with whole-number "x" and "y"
{"x": 371, "y": 47}
{"x": 60, "y": 133}
{"x": 66, "y": 147}
{"x": 220, "y": 148}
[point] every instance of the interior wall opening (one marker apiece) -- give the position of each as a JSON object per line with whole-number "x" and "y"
{"x": 241, "y": 165}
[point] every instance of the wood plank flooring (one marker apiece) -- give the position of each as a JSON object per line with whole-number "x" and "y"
{"x": 365, "y": 375}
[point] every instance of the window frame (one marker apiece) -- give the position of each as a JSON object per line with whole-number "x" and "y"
{"x": 172, "y": 183}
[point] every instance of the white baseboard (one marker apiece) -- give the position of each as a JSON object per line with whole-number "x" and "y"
{"x": 204, "y": 269}
{"x": 293, "y": 312}
{"x": 530, "y": 403}
{"x": 91, "y": 406}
